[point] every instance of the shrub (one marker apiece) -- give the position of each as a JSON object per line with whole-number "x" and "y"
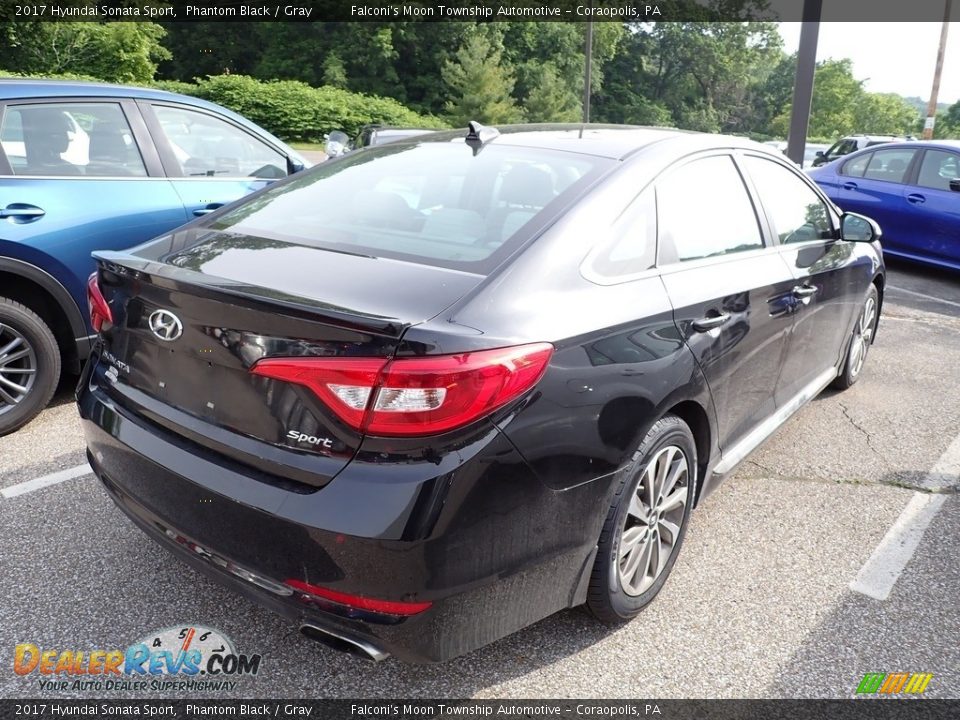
{"x": 295, "y": 111}
{"x": 291, "y": 110}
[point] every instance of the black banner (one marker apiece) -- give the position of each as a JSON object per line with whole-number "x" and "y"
{"x": 859, "y": 11}
{"x": 885, "y": 709}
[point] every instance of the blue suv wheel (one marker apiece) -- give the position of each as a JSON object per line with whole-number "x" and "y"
{"x": 29, "y": 365}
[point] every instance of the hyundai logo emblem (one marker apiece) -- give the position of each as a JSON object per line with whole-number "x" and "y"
{"x": 165, "y": 325}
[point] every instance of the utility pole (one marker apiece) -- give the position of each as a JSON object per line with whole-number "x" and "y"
{"x": 588, "y": 71}
{"x": 803, "y": 82}
{"x": 932, "y": 107}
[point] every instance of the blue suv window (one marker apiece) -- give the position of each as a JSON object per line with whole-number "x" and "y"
{"x": 938, "y": 169}
{"x": 70, "y": 139}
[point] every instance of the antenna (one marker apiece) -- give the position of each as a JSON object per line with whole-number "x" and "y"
{"x": 479, "y": 135}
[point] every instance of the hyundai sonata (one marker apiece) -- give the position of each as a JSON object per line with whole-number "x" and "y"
{"x": 424, "y": 395}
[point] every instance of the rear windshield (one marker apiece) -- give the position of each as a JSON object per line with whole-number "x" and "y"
{"x": 434, "y": 202}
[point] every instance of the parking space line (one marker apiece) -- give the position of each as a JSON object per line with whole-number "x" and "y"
{"x": 923, "y": 295}
{"x": 46, "y": 481}
{"x": 880, "y": 573}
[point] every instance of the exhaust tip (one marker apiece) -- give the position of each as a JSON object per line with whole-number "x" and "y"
{"x": 341, "y": 643}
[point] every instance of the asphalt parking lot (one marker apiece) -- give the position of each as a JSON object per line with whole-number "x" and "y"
{"x": 760, "y": 603}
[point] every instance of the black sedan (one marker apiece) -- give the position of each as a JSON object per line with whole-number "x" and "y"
{"x": 422, "y": 396}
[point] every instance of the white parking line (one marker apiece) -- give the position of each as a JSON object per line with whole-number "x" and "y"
{"x": 924, "y": 295}
{"x": 46, "y": 481}
{"x": 880, "y": 573}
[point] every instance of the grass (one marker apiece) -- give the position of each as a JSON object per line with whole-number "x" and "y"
{"x": 306, "y": 146}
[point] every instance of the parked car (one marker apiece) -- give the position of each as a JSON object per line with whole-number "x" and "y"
{"x": 852, "y": 143}
{"x": 415, "y": 425}
{"x": 911, "y": 189}
{"x": 810, "y": 151}
{"x": 338, "y": 142}
{"x": 86, "y": 166}
{"x": 380, "y": 134}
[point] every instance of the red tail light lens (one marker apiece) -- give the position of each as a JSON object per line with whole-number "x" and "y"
{"x": 418, "y": 395}
{"x": 99, "y": 309}
{"x": 388, "y": 607}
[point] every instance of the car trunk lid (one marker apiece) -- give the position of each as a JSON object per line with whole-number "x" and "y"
{"x": 192, "y": 313}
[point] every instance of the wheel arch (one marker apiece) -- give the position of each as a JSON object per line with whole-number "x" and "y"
{"x": 880, "y": 281}
{"x": 697, "y": 419}
{"x": 47, "y": 297}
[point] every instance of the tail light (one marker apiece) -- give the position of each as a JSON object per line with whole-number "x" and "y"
{"x": 387, "y": 607}
{"x": 416, "y": 395}
{"x": 99, "y": 309}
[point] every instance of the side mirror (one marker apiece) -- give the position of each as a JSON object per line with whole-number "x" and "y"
{"x": 818, "y": 153}
{"x": 857, "y": 228}
{"x": 294, "y": 166}
{"x": 955, "y": 184}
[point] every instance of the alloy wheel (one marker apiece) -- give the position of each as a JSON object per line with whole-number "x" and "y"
{"x": 18, "y": 367}
{"x": 654, "y": 518}
{"x": 862, "y": 336}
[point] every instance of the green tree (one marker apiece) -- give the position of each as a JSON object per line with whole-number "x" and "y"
{"x": 334, "y": 72}
{"x": 551, "y": 99}
{"x": 480, "y": 84}
{"x": 884, "y": 114}
{"x": 702, "y": 75}
{"x": 115, "y": 51}
{"x": 836, "y": 94}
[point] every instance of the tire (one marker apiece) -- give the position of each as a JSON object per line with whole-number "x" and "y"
{"x": 616, "y": 594}
{"x": 29, "y": 360}
{"x": 861, "y": 338}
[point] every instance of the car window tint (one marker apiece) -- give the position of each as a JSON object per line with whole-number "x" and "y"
{"x": 434, "y": 202}
{"x": 703, "y": 210}
{"x": 205, "y": 146}
{"x": 889, "y": 165}
{"x": 797, "y": 211}
{"x": 70, "y": 139}
{"x": 938, "y": 169}
{"x": 857, "y": 166}
{"x": 630, "y": 245}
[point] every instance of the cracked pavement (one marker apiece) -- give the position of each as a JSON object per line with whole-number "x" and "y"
{"x": 759, "y": 604}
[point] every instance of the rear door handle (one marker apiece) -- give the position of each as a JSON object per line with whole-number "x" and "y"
{"x": 709, "y": 323}
{"x": 916, "y": 198}
{"x": 22, "y": 212}
{"x": 805, "y": 290}
{"x": 849, "y": 186}
{"x": 207, "y": 209}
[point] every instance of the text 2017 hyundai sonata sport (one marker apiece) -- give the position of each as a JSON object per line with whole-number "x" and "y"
{"x": 424, "y": 395}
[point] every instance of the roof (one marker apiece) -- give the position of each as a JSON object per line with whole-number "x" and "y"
{"x": 34, "y": 88}
{"x": 943, "y": 144}
{"x": 26, "y": 88}
{"x": 611, "y": 141}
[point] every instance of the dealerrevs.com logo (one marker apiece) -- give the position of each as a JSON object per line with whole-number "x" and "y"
{"x": 191, "y": 657}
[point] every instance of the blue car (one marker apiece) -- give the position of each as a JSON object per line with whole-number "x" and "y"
{"x": 912, "y": 189}
{"x": 87, "y": 166}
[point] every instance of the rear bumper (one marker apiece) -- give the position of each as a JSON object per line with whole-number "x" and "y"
{"x": 485, "y": 542}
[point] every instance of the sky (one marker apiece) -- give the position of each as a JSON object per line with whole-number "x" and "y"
{"x": 891, "y": 57}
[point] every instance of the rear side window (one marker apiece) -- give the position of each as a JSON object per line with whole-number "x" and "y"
{"x": 889, "y": 165}
{"x": 70, "y": 139}
{"x": 434, "y": 202}
{"x": 630, "y": 246}
{"x": 938, "y": 169}
{"x": 857, "y": 166}
{"x": 704, "y": 210}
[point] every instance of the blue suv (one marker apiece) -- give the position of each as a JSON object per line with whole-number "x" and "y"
{"x": 87, "y": 166}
